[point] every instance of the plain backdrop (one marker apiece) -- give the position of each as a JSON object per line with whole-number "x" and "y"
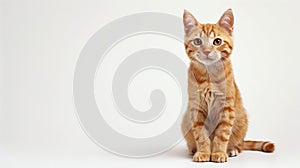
{"x": 41, "y": 41}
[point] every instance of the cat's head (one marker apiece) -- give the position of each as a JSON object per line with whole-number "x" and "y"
{"x": 208, "y": 43}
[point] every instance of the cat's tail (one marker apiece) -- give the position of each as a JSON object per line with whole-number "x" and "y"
{"x": 263, "y": 146}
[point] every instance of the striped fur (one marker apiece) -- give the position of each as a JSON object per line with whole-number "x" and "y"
{"x": 215, "y": 123}
{"x": 258, "y": 146}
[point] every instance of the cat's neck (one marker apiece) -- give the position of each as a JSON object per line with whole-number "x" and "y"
{"x": 211, "y": 73}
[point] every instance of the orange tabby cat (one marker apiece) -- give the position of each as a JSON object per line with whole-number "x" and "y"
{"x": 215, "y": 123}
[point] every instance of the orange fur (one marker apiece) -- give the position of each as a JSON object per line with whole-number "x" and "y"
{"x": 215, "y": 123}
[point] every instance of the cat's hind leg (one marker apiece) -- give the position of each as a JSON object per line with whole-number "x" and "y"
{"x": 233, "y": 152}
{"x": 190, "y": 140}
{"x": 188, "y": 134}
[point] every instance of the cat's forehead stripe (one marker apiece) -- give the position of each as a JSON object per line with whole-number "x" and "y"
{"x": 208, "y": 29}
{"x": 212, "y": 35}
{"x": 201, "y": 34}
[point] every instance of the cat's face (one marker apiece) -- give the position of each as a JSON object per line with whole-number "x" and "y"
{"x": 208, "y": 43}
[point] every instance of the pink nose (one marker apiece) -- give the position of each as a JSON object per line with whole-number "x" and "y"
{"x": 206, "y": 52}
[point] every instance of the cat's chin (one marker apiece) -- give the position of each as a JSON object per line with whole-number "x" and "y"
{"x": 207, "y": 62}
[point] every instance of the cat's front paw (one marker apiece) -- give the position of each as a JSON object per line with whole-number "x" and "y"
{"x": 219, "y": 157}
{"x": 201, "y": 157}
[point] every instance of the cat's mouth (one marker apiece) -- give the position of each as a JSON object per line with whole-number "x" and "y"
{"x": 206, "y": 60}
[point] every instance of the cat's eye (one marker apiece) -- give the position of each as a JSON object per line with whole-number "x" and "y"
{"x": 197, "y": 41}
{"x": 217, "y": 41}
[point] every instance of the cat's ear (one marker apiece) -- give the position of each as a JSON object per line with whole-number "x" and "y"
{"x": 226, "y": 21}
{"x": 189, "y": 21}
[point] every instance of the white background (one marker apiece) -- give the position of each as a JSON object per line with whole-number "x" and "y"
{"x": 41, "y": 41}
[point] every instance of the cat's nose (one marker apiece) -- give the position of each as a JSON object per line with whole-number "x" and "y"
{"x": 206, "y": 52}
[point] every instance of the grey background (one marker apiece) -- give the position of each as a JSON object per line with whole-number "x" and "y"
{"x": 40, "y": 44}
